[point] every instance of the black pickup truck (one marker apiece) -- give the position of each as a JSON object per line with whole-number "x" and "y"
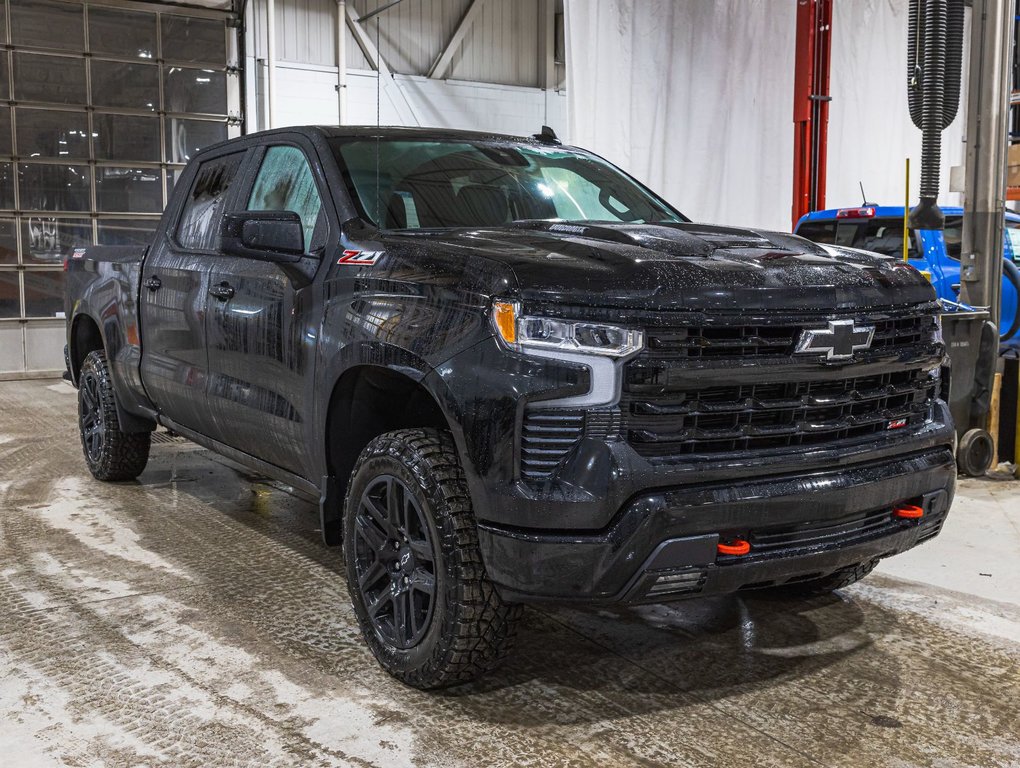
{"x": 510, "y": 373}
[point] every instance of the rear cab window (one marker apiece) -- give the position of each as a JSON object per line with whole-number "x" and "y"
{"x": 881, "y": 235}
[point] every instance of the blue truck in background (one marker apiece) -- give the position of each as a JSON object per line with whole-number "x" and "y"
{"x": 879, "y": 228}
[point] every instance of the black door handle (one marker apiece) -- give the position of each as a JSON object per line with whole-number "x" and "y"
{"x": 153, "y": 283}
{"x": 223, "y": 291}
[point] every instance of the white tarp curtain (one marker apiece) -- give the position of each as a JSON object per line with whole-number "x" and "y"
{"x": 694, "y": 97}
{"x": 870, "y": 133}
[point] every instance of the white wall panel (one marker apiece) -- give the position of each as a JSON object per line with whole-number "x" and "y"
{"x": 503, "y": 46}
{"x": 12, "y": 347}
{"x": 307, "y": 96}
{"x": 306, "y": 31}
{"x": 44, "y": 346}
{"x": 870, "y": 133}
{"x": 692, "y": 97}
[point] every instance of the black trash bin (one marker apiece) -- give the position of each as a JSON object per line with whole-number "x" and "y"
{"x": 972, "y": 342}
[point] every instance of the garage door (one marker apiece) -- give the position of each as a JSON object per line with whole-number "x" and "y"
{"x": 102, "y": 104}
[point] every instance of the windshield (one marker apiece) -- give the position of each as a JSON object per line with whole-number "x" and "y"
{"x": 401, "y": 184}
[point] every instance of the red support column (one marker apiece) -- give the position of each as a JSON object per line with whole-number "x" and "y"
{"x": 811, "y": 104}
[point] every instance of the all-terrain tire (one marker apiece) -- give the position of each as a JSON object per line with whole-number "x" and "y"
{"x": 469, "y": 629}
{"x": 109, "y": 453}
{"x": 823, "y": 586}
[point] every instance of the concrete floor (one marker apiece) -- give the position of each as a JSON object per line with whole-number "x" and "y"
{"x": 194, "y": 619}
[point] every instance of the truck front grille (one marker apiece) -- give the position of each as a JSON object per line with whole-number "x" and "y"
{"x": 716, "y": 419}
{"x": 712, "y": 342}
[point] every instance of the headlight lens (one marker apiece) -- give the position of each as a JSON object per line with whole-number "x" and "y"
{"x": 524, "y": 333}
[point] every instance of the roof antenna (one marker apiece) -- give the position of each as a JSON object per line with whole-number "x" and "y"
{"x": 547, "y": 136}
{"x": 864, "y": 197}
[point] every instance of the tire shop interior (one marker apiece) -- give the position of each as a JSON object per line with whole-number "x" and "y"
{"x": 195, "y": 616}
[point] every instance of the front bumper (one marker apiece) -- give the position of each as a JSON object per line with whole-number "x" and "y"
{"x": 661, "y": 545}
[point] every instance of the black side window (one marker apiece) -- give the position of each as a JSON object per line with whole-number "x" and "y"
{"x": 201, "y": 215}
{"x": 285, "y": 183}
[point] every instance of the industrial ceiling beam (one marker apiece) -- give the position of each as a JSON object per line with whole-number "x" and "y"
{"x": 409, "y": 116}
{"x": 442, "y": 63}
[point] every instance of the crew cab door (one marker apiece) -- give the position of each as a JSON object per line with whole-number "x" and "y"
{"x": 174, "y": 293}
{"x": 263, "y": 320}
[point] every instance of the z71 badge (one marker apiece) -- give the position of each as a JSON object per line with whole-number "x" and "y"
{"x": 360, "y": 258}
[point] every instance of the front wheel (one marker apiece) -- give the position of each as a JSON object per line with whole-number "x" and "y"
{"x": 423, "y": 600}
{"x": 109, "y": 453}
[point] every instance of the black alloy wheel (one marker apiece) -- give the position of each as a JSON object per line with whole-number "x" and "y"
{"x": 110, "y": 453}
{"x": 90, "y": 415}
{"x": 395, "y": 562}
{"x": 415, "y": 573}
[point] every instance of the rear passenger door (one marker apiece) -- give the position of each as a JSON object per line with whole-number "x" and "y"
{"x": 174, "y": 292}
{"x": 263, "y": 321}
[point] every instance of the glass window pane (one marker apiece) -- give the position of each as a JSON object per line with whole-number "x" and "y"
{"x": 122, "y": 33}
{"x": 8, "y": 239}
{"x": 199, "y": 40}
{"x": 6, "y": 146}
{"x": 56, "y": 79}
{"x": 10, "y": 294}
{"x": 44, "y": 293}
{"x": 129, "y": 190}
{"x": 195, "y": 90}
{"x": 186, "y": 137}
{"x": 49, "y": 133}
{"x": 5, "y": 89}
{"x": 122, "y": 137}
{"x": 53, "y": 187}
{"x": 126, "y": 231}
{"x": 116, "y": 84}
{"x": 285, "y": 183}
{"x": 48, "y": 24}
{"x": 7, "y": 185}
{"x": 201, "y": 215}
{"x": 3, "y": 22}
{"x": 45, "y": 240}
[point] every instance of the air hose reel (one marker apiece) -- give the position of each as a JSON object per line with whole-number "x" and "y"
{"x": 934, "y": 69}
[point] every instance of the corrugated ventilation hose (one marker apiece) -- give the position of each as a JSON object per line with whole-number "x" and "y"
{"x": 934, "y": 65}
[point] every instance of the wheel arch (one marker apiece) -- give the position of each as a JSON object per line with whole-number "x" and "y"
{"x": 86, "y": 336}
{"x": 365, "y": 401}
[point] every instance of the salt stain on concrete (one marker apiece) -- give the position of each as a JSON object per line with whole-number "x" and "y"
{"x": 95, "y": 527}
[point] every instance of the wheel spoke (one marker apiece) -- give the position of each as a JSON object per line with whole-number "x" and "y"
{"x": 421, "y": 550}
{"x": 373, "y": 605}
{"x": 379, "y": 515}
{"x": 367, "y": 528}
{"x": 395, "y": 504}
{"x": 372, "y": 574}
{"x": 423, "y": 581}
{"x": 401, "y": 618}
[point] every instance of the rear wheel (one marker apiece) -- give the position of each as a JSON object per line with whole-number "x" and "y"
{"x": 109, "y": 453}
{"x": 425, "y": 605}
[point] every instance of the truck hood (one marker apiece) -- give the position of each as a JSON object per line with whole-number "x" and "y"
{"x": 689, "y": 267}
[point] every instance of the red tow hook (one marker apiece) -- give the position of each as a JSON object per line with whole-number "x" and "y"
{"x": 733, "y": 547}
{"x": 908, "y": 511}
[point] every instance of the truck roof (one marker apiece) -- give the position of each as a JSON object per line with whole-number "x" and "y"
{"x": 888, "y": 211}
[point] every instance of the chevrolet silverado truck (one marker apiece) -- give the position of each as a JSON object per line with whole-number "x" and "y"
{"x": 510, "y": 373}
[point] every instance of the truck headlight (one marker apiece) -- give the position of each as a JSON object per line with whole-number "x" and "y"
{"x": 524, "y": 333}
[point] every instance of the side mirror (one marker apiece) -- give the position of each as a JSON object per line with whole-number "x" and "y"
{"x": 266, "y": 235}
